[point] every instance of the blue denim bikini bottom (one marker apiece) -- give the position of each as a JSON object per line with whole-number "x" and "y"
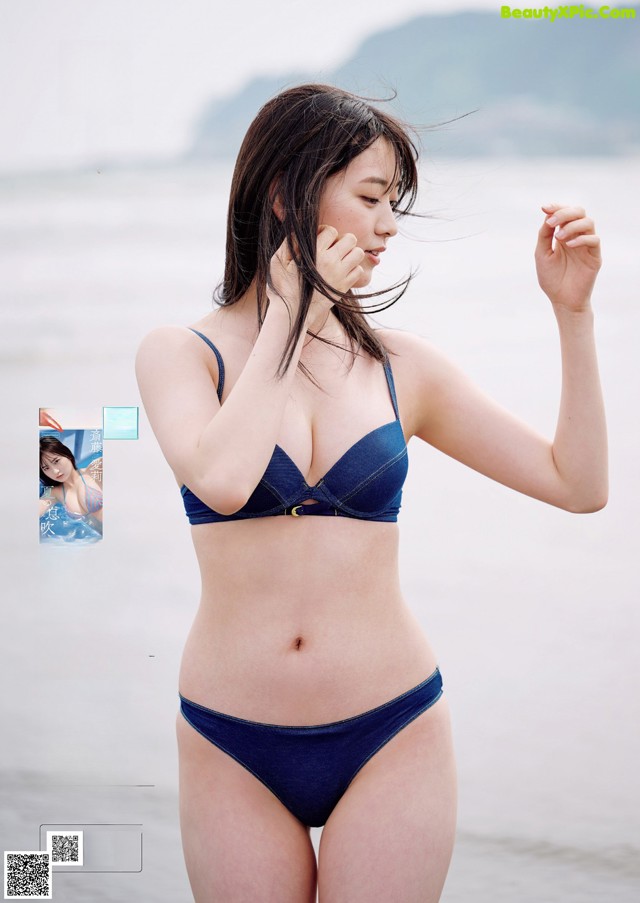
{"x": 309, "y": 768}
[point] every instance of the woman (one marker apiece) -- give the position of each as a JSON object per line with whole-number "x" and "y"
{"x": 76, "y": 490}
{"x": 309, "y": 693}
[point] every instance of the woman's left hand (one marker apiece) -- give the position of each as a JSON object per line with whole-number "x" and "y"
{"x": 567, "y": 272}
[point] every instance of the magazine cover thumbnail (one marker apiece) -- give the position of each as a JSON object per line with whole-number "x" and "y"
{"x": 70, "y": 490}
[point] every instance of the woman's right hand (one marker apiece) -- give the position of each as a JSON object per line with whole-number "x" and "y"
{"x": 338, "y": 261}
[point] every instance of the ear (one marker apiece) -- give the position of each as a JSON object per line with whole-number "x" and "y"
{"x": 276, "y": 201}
{"x": 277, "y": 208}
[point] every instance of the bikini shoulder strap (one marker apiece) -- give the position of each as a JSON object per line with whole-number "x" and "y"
{"x": 219, "y": 360}
{"x": 392, "y": 387}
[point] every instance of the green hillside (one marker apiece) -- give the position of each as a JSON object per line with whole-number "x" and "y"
{"x": 538, "y": 87}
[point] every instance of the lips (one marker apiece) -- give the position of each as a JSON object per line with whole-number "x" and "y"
{"x": 374, "y": 254}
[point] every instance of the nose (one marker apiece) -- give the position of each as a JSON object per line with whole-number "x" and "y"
{"x": 387, "y": 224}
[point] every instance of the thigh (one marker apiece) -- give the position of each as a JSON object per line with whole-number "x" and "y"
{"x": 241, "y": 845}
{"x": 391, "y": 835}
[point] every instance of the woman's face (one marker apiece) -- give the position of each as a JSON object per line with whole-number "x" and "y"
{"x": 360, "y": 199}
{"x": 56, "y": 467}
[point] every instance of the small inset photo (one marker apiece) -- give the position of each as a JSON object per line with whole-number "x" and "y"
{"x": 70, "y": 486}
{"x": 27, "y": 875}
{"x": 120, "y": 422}
{"x": 65, "y": 847}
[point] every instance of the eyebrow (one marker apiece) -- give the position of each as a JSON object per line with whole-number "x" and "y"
{"x": 378, "y": 180}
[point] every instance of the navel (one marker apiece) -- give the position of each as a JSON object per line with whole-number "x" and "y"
{"x": 298, "y": 643}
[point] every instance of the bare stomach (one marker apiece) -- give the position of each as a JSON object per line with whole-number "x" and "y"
{"x": 301, "y": 621}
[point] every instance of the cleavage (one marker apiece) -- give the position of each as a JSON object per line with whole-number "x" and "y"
{"x": 319, "y": 428}
{"x": 313, "y": 479}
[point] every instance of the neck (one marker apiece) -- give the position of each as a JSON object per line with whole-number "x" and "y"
{"x": 74, "y": 480}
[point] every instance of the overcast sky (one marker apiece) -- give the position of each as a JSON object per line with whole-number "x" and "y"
{"x": 84, "y": 81}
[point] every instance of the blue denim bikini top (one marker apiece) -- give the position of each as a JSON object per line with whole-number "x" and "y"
{"x": 365, "y": 483}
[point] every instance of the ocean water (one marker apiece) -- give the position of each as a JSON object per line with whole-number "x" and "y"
{"x": 533, "y": 612}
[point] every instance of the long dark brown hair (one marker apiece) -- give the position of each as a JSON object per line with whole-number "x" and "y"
{"x": 51, "y": 445}
{"x": 296, "y": 142}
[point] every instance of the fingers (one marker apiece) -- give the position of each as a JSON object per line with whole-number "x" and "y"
{"x": 545, "y": 233}
{"x": 350, "y": 257}
{"x": 560, "y": 216}
{"x": 574, "y": 227}
{"x": 341, "y": 247}
{"x": 354, "y": 272}
{"x": 569, "y": 225}
{"x": 329, "y": 238}
{"x": 344, "y": 247}
{"x": 327, "y": 235}
{"x": 339, "y": 258}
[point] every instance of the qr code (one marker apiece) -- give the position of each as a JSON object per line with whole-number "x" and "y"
{"x": 65, "y": 847}
{"x": 27, "y": 875}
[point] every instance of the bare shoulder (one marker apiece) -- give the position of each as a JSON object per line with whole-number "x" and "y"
{"x": 170, "y": 353}
{"x": 420, "y": 371}
{"x": 163, "y": 340}
{"x": 409, "y": 351}
{"x": 171, "y": 347}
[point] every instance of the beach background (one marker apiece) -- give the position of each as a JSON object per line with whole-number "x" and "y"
{"x": 533, "y": 611}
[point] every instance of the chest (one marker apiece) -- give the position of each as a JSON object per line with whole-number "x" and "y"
{"x": 321, "y": 426}
{"x": 72, "y": 498}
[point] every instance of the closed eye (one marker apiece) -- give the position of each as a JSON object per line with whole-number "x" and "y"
{"x": 374, "y": 201}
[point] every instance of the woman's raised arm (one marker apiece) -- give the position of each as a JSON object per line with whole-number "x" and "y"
{"x": 453, "y": 415}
